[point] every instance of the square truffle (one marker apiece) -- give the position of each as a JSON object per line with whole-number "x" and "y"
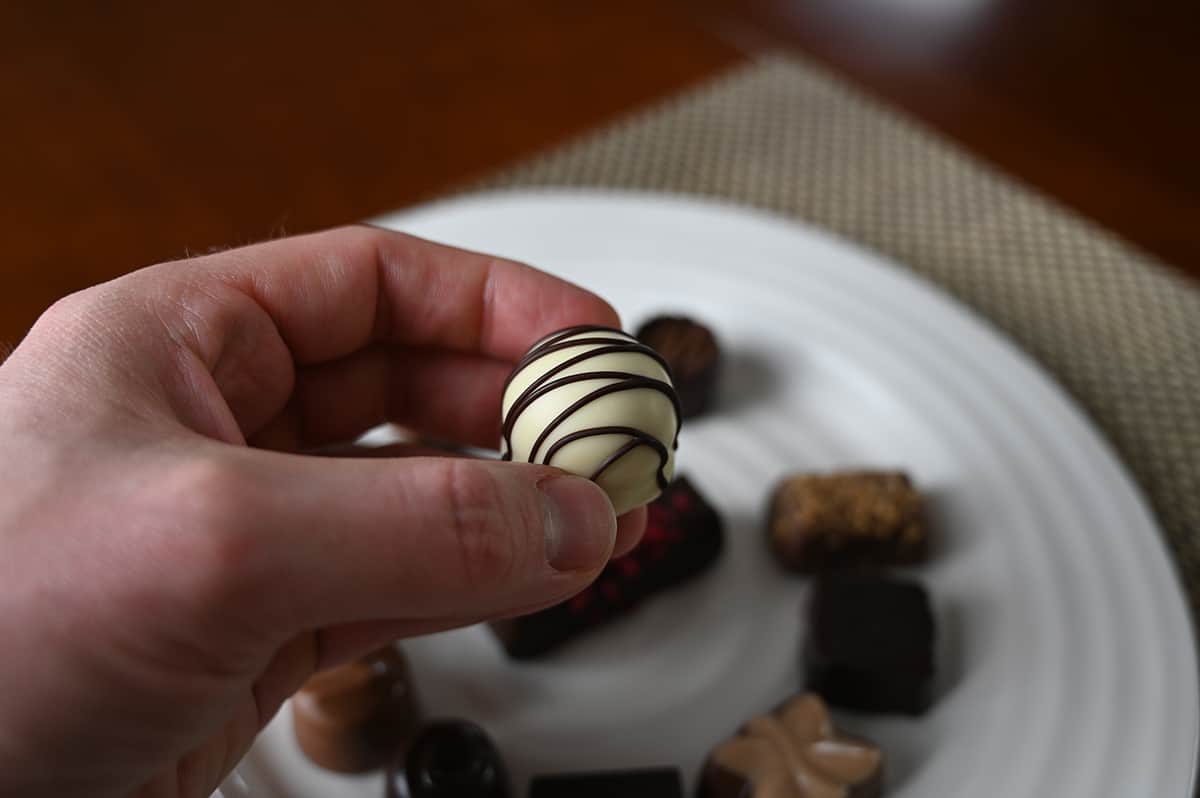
{"x": 647, "y": 783}
{"x": 823, "y": 522}
{"x": 869, "y": 643}
{"x": 684, "y": 535}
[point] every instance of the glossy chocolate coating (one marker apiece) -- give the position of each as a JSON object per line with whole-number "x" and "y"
{"x": 869, "y": 643}
{"x": 595, "y": 402}
{"x": 684, "y": 535}
{"x": 794, "y": 752}
{"x": 692, "y": 352}
{"x": 354, "y": 717}
{"x": 449, "y": 759}
{"x": 823, "y": 522}
{"x": 642, "y": 783}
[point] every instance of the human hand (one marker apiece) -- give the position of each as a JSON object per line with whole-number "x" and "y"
{"x": 172, "y": 568}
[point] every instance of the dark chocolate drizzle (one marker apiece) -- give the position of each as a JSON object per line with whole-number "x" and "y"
{"x": 567, "y": 332}
{"x": 556, "y": 344}
{"x": 637, "y": 438}
{"x": 545, "y": 383}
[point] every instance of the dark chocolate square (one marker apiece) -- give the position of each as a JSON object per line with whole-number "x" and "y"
{"x": 683, "y": 537}
{"x": 869, "y": 644}
{"x": 647, "y": 783}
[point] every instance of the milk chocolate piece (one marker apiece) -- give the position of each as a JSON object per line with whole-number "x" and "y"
{"x": 683, "y": 538}
{"x": 643, "y": 783}
{"x": 870, "y": 643}
{"x": 354, "y": 717}
{"x": 856, "y": 518}
{"x": 598, "y": 403}
{"x": 793, "y": 752}
{"x": 692, "y": 352}
{"x": 449, "y": 759}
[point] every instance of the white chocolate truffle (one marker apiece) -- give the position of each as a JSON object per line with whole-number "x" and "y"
{"x": 598, "y": 403}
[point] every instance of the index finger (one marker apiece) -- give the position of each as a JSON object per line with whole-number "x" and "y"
{"x": 330, "y": 294}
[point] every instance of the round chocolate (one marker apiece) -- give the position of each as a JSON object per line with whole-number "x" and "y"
{"x": 449, "y": 759}
{"x": 355, "y": 717}
{"x": 598, "y": 403}
{"x": 692, "y": 352}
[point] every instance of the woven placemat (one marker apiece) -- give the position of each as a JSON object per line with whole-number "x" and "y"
{"x": 1118, "y": 330}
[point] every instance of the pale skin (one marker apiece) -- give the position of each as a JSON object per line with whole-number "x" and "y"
{"x": 173, "y": 561}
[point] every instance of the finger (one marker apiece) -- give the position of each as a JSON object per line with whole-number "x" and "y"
{"x": 342, "y": 643}
{"x": 305, "y": 542}
{"x": 230, "y": 328}
{"x": 451, "y": 396}
{"x": 331, "y": 293}
{"x": 293, "y": 663}
{"x": 414, "y": 448}
{"x": 630, "y": 528}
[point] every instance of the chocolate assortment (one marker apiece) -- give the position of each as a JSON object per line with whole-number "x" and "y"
{"x": 599, "y": 403}
{"x": 596, "y": 402}
{"x": 869, "y": 645}
{"x": 644, "y": 783}
{"x": 793, "y": 752}
{"x": 692, "y": 352}
{"x": 352, "y": 718}
{"x": 449, "y": 759}
{"x": 821, "y": 522}
{"x": 684, "y": 535}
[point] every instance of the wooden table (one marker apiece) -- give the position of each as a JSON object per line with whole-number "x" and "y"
{"x": 141, "y": 132}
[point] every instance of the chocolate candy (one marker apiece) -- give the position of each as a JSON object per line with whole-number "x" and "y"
{"x": 449, "y": 759}
{"x": 683, "y": 538}
{"x": 823, "y": 522}
{"x": 692, "y": 352}
{"x": 870, "y": 643}
{"x": 595, "y": 402}
{"x": 353, "y": 718}
{"x": 646, "y": 783}
{"x": 793, "y": 753}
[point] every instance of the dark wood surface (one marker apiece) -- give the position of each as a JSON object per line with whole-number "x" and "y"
{"x": 1095, "y": 102}
{"x": 139, "y": 132}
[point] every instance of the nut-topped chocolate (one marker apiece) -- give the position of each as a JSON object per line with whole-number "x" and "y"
{"x": 823, "y": 522}
{"x": 793, "y": 752}
{"x": 596, "y": 402}
{"x": 353, "y": 717}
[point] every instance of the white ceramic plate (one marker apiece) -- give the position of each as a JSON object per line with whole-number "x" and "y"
{"x": 1067, "y": 665}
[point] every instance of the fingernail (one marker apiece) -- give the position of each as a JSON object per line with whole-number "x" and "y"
{"x": 580, "y": 525}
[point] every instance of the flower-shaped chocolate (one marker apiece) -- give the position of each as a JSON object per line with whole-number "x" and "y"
{"x": 793, "y": 753}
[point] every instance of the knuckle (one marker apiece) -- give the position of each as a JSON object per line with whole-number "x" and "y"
{"x": 486, "y": 533}
{"x": 70, "y": 310}
{"x": 213, "y": 504}
{"x": 209, "y": 490}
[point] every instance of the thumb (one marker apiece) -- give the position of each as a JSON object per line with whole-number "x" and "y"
{"x": 420, "y": 539}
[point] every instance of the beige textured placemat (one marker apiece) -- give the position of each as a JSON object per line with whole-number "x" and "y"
{"x": 1120, "y": 331}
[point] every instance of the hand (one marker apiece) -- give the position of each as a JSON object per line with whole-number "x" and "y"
{"x": 172, "y": 567}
